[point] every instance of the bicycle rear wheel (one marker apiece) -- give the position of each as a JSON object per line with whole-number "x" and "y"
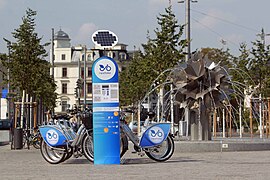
{"x": 161, "y": 152}
{"x": 52, "y": 155}
{"x": 36, "y": 141}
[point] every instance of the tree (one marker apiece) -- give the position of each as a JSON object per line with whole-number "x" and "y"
{"x": 259, "y": 67}
{"x": 29, "y": 70}
{"x": 223, "y": 57}
{"x": 159, "y": 54}
{"x": 240, "y": 70}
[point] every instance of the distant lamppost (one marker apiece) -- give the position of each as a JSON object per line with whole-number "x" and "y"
{"x": 262, "y": 36}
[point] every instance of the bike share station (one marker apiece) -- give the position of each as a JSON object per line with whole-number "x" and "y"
{"x": 105, "y": 102}
{"x": 106, "y": 116}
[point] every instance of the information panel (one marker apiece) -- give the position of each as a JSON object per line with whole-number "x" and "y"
{"x": 106, "y": 111}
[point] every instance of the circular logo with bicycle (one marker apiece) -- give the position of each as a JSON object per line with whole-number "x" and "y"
{"x": 156, "y": 134}
{"x": 52, "y": 137}
{"x": 105, "y": 69}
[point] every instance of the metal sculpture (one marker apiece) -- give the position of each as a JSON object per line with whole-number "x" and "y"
{"x": 202, "y": 85}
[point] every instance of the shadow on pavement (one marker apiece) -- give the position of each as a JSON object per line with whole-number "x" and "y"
{"x": 149, "y": 161}
{"x": 77, "y": 161}
{"x": 132, "y": 161}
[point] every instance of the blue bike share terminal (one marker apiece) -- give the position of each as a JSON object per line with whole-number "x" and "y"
{"x": 106, "y": 111}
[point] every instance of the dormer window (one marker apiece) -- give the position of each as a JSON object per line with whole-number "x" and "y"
{"x": 63, "y": 57}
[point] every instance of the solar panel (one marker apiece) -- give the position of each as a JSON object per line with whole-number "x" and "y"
{"x": 104, "y": 38}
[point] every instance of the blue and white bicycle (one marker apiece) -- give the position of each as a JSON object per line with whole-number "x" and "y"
{"x": 60, "y": 141}
{"x": 156, "y": 140}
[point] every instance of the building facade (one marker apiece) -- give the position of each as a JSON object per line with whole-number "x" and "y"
{"x": 69, "y": 65}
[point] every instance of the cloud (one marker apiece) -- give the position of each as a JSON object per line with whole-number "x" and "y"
{"x": 85, "y": 32}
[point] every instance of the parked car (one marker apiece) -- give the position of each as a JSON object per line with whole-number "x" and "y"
{"x": 4, "y": 124}
{"x": 134, "y": 126}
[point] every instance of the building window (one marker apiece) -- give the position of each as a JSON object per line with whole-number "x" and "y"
{"x": 123, "y": 56}
{"x": 82, "y": 57}
{"x": 110, "y": 54}
{"x": 82, "y": 72}
{"x": 89, "y": 88}
{"x": 64, "y": 72}
{"x": 89, "y": 72}
{"x": 89, "y": 57}
{"x": 64, "y": 88}
{"x": 63, "y": 57}
{"x": 64, "y": 105}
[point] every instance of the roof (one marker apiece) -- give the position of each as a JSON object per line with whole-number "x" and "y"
{"x": 61, "y": 35}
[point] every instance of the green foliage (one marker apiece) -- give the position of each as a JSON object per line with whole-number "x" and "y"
{"x": 259, "y": 67}
{"x": 223, "y": 57}
{"x": 160, "y": 53}
{"x": 240, "y": 71}
{"x": 29, "y": 70}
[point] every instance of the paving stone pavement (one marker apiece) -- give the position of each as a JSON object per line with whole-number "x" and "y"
{"x": 27, "y": 164}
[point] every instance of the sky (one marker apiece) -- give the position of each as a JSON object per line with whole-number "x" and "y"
{"x": 212, "y": 21}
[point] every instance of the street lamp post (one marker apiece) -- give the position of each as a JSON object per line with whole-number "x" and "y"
{"x": 84, "y": 50}
{"x": 188, "y": 52}
{"x": 84, "y": 78}
{"x": 8, "y": 84}
{"x": 52, "y": 44}
{"x": 52, "y": 56}
{"x": 188, "y": 48}
{"x": 79, "y": 75}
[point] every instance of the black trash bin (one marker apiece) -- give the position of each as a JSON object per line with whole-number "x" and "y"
{"x": 18, "y": 138}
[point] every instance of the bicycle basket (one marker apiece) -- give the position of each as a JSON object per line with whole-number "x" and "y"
{"x": 87, "y": 120}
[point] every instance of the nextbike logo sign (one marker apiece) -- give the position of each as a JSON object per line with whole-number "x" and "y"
{"x": 52, "y": 137}
{"x": 105, "y": 69}
{"x": 156, "y": 135}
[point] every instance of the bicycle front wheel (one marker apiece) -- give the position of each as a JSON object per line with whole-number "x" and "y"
{"x": 88, "y": 146}
{"x": 51, "y": 155}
